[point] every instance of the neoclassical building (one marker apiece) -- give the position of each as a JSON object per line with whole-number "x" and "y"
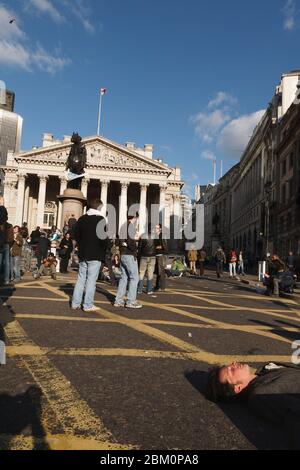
{"x": 120, "y": 175}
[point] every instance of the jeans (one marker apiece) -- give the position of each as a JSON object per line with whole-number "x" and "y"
{"x": 86, "y": 281}
{"x": 241, "y": 268}
{"x": 16, "y": 267}
{"x": 146, "y": 264}
{"x": 129, "y": 273}
{"x": 232, "y": 269}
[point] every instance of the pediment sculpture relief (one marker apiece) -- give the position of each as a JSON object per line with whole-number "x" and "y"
{"x": 103, "y": 156}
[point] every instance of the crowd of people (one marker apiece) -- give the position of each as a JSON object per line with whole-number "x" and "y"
{"x": 126, "y": 260}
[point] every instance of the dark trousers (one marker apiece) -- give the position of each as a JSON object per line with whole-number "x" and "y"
{"x": 219, "y": 268}
{"x": 63, "y": 268}
{"x": 40, "y": 257}
{"x": 201, "y": 266}
{"x": 161, "y": 274}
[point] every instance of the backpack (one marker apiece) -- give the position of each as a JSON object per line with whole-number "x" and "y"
{"x": 219, "y": 255}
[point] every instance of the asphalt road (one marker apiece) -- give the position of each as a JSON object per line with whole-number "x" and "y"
{"x": 135, "y": 379}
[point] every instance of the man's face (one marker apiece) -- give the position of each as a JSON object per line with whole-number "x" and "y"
{"x": 236, "y": 374}
{"x": 157, "y": 229}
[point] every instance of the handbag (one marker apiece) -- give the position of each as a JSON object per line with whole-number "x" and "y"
{"x": 62, "y": 252}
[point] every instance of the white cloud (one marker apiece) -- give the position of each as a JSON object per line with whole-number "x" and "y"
{"x": 194, "y": 177}
{"x": 289, "y": 13}
{"x": 16, "y": 55}
{"x": 16, "y": 51}
{"x": 46, "y": 7}
{"x": 236, "y": 134}
{"x": 221, "y": 98}
{"x": 207, "y": 125}
{"x": 208, "y": 155}
{"x": 7, "y": 30}
{"x": 82, "y": 12}
{"x": 47, "y": 62}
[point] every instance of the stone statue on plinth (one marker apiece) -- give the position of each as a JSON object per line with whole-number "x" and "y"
{"x": 72, "y": 199}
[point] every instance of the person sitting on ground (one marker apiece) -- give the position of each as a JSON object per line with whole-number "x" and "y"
{"x": 276, "y": 268}
{"x": 48, "y": 266}
{"x": 272, "y": 392}
{"x": 177, "y": 268}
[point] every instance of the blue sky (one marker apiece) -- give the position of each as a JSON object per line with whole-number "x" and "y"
{"x": 191, "y": 77}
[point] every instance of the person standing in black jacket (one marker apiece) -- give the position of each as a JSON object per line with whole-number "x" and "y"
{"x": 65, "y": 250}
{"x": 129, "y": 267}
{"x": 161, "y": 250}
{"x": 42, "y": 248}
{"x": 147, "y": 254}
{"x": 91, "y": 253}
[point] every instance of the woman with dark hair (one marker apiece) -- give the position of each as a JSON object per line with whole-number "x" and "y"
{"x": 65, "y": 250}
{"x": 16, "y": 254}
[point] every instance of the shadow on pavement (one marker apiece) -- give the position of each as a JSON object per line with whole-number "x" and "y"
{"x": 21, "y": 414}
{"x": 261, "y": 434}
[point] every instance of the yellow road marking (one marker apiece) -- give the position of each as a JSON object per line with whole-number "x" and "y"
{"x": 73, "y": 414}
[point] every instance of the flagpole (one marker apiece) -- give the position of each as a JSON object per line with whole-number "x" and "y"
{"x": 99, "y": 114}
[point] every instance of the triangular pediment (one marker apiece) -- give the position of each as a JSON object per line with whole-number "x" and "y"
{"x": 100, "y": 152}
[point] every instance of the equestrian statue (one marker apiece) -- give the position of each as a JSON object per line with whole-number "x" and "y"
{"x": 76, "y": 162}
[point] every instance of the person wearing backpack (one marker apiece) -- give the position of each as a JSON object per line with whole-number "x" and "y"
{"x": 220, "y": 259}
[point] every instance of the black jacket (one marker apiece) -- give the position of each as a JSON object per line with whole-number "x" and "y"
{"x": 146, "y": 247}
{"x": 65, "y": 252}
{"x": 161, "y": 247}
{"x": 128, "y": 246}
{"x": 91, "y": 248}
{"x": 43, "y": 245}
{"x": 275, "y": 396}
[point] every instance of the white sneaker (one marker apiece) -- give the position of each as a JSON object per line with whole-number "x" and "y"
{"x": 134, "y": 305}
{"x": 91, "y": 309}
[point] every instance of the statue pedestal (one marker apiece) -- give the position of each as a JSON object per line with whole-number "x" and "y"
{"x": 73, "y": 202}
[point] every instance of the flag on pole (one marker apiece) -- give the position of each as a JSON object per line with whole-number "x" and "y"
{"x": 103, "y": 91}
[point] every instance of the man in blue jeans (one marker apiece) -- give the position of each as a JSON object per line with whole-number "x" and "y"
{"x": 91, "y": 252}
{"x": 129, "y": 267}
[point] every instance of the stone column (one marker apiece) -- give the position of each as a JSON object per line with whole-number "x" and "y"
{"x": 123, "y": 205}
{"x": 20, "y": 199}
{"x": 177, "y": 215}
{"x": 6, "y": 194}
{"x": 63, "y": 186}
{"x": 84, "y": 186}
{"x": 143, "y": 208}
{"x": 84, "y": 190}
{"x": 162, "y": 203}
{"x": 26, "y": 204}
{"x": 103, "y": 197}
{"x": 41, "y": 200}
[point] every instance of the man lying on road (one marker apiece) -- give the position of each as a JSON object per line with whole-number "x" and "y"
{"x": 272, "y": 392}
